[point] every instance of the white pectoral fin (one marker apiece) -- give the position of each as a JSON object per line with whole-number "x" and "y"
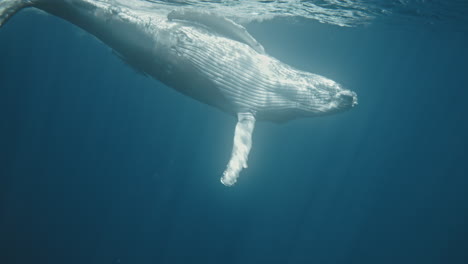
{"x": 241, "y": 148}
{"x": 219, "y": 24}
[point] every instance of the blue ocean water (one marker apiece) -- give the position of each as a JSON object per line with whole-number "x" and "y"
{"x": 99, "y": 164}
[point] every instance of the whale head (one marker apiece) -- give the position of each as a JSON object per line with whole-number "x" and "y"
{"x": 328, "y": 96}
{"x": 318, "y": 95}
{"x": 299, "y": 93}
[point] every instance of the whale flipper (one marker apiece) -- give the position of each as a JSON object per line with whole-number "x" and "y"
{"x": 240, "y": 149}
{"x": 221, "y": 25}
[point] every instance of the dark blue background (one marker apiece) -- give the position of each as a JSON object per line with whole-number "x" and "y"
{"x": 99, "y": 164}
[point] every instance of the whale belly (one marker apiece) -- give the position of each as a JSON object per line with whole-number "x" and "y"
{"x": 239, "y": 73}
{"x": 190, "y": 58}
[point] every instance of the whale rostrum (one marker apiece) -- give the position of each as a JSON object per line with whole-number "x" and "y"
{"x": 207, "y": 57}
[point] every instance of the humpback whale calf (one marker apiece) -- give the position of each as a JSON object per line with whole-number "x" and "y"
{"x": 207, "y": 57}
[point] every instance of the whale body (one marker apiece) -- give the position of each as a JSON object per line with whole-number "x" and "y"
{"x": 207, "y": 57}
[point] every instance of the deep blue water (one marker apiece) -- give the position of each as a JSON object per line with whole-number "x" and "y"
{"x": 99, "y": 164}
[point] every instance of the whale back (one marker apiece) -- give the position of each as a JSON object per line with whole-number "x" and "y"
{"x": 218, "y": 24}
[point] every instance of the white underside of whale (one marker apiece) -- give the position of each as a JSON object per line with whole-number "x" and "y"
{"x": 206, "y": 57}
